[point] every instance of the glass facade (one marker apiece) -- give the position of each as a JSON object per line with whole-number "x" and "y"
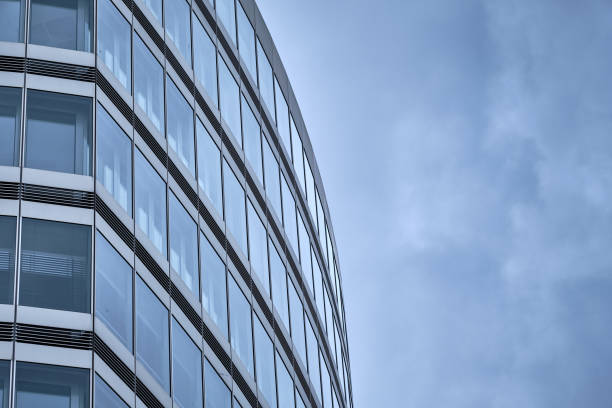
{"x": 134, "y": 227}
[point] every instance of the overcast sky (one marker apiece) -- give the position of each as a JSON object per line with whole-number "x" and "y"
{"x": 466, "y": 151}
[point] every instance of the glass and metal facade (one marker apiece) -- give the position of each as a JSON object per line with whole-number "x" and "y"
{"x": 165, "y": 238}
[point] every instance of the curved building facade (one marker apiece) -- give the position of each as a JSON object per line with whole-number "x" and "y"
{"x": 165, "y": 238}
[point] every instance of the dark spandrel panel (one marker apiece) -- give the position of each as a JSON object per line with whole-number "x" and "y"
{"x": 113, "y": 95}
{"x": 60, "y": 70}
{"x": 144, "y": 22}
{"x": 147, "y": 396}
{"x": 110, "y": 358}
{"x": 183, "y": 183}
{"x": 58, "y": 196}
{"x": 153, "y": 267}
{"x": 55, "y": 265}
{"x": 12, "y": 64}
{"x": 114, "y": 222}
{"x": 42, "y": 385}
{"x": 186, "y": 308}
{"x": 53, "y": 336}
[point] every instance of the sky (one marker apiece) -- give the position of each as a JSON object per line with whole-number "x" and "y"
{"x": 466, "y": 152}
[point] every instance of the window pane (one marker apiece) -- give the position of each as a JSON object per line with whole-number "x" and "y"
{"x": 246, "y": 42}
{"x": 11, "y": 20}
{"x": 229, "y": 100}
{"x": 8, "y": 230}
{"x": 285, "y": 385}
{"x": 235, "y": 214}
{"x": 278, "y": 276}
{"x": 186, "y": 369}
{"x": 184, "y": 245}
{"x": 10, "y": 121}
{"x": 271, "y": 178}
{"x": 298, "y": 157}
{"x": 114, "y": 48}
{"x": 313, "y": 359}
{"x": 209, "y": 166}
{"x": 41, "y": 385}
{"x": 178, "y": 26}
{"x": 321, "y": 222}
{"x": 152, "y": 337}
{"x": 299, "y": 403}
{"x": 55, "y": 265}
{"x": 204, "y": 59}
{"x": 266, "y": 84}
{"x": 282, "y": 116}
{"x": 180, "y": 126}
{"x": 105, "y": 397}
{"x": 252, "y": 139}
{"x": 326, "y": 390}
{"x": 305, "y": 259}
{"x": 227, "y": 15}
{"x": 289, "y": 219}
{"x": 114, "y": 159}
{"x": 310, "y": 190}
{"x": 155, "y": 7}
{"x": 5, "y": 383}
{"x": 240, "y": 325}
{"x": 216, "y": 394}
{"x": 214, "y": 292}
{"x": 150, "y": 202}
{"x": 58, "y": 132}
{"x": 264, "y": 359}
{"x": 318, "y": 286}
{"x": 148, "y": 84}
{"x": 297, "y": 323}
{"x": 114, "y": 291}
{"x": 258, "y": 250}
{"x": 62, "y": 24}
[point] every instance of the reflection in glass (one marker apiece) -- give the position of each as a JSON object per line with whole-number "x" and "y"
{"x": 297, "y": 322}
{"x": 216, "y": 394}
{"x": 204, "y": 59}
{"x": 284, "y": 385}
{"x": 251, "y": 133}
{"x": 150, "y": 202}
{"x": 180, "y": 126}
{"x": 148, "y": 84}
{"x": 227, "y": 14}
{"x": 305, "y": 258}
{"x": 289, "y": 218}
{"x": 313, "y": 359}
{"x": 214, "y": 298}
{"x": 246, "y": 42}
{"x": 258, "y": 251}
{"x": 114, "y": 45}
{"x": 62, "y": 23}
{"x": 209, "y": 166}
{"x": 12, "y": 20}
{"x": 7, "y": 258}
{"x": 266, "y": 84}
{"x": 240, "y": 325}
{"x": 235, "y": 214}
{"x": 271, "y": 179}
{"x": 229, "y": 100}
{"x": 5, "y": 383}
{"x": 278, "y": 277}
{"x": 178, "y": 26}
{"x": 184, "y": 245}
{"x": 155, "y": 7}
{"x": 105, "y": 397}
{"x": 49, "y": 386}
{"x": 264, "y": 363}
{"x": 282, "y": 116}
{"x": 186, "y": 369}
{"x": 298, "y": 157}
{"x": 10, "y": 123}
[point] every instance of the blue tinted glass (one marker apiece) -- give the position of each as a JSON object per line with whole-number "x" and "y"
{"x": 252, "y": 139}
{"x": 217, "y": 395}
{"x": 58, "y": 132}
{"x": 62, "y": 24}
{"x": 299, "y": 403}
{"x": 310, "y": 190}
{"x": 240, "y": 325}
{"x": 114, "y": 159}
{"x": 150, "y": 202}
{"x": 214, "y": 293}
{"x": 227, "y": 15}
{"x": 178, "y": 26}
{"x": 114, "y": 291}
{"x": 258, "y": 251}
{"x": 297, "y": 322}
{"x": 12, "y": 20}
{"x": 318, "y": 286}
{"x": 204, "y": 59}
{"x": 7, "y": 258}
{"x": 42, "y": 385}
{"x": 105, "y": 397}
{"x": 326, "y": 387}
{"x": 282, "y": 116}
{"x": 229, "y": 100}
{"x": 114, "y": 45}
{"x": 289, "y": 218}
{"x": 55, "y": 265}
{"x": 10, "y": 123}
{"x": 279, "y": 284}
{"x": 271, "y": 178}
{"x": 285, "y": 385}
{"x": 246, "y": 42}
{"x": 5, "y": 383}
{"x": 266, "y": 84}
{"x": 298, "y": 156}
{"x": 264, "y": 363}
{"x": 184, "y": 245}
{"x": 179, "y": 130}
{"x": 209, "y": 166}
{"x": 305, "y": 258}
{"x": 235, "y": 214}
{"x": 152, "y": 334}
{"x": 186, "y": 369}
{"x": 148, "y": 84}
{"x": 155, "y": 7}
{"x": 313, "y": 359}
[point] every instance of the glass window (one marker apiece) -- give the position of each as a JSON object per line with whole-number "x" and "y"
{"x": 8, "y": 230}
{"x": 114, "y": 159}
{"x": 310, "y": 190}
{"x": 152, "y": 334}
{"x": 184, "y": 245}
{"x": 289, "y": 218}
{"x": 229, "y": 100}
{"x": 271, "y": 178}
{"x": 5, "y": 383}
{"x": 297, "y": 322}
{"x": 12, "y": 20}
{"x": 114, "y": 33}
{"x": 318, "y": 286}
{"x": 235, "y": 214}
{"x": 178, "y": 26}
{"x": 105, "y": 397}
{"x": 251, "y": 133}
{"x": 321, "y": 218}
{"x": 216, "y": 394}
{"x": 258, "y": 251}
{"x": 246, "y": 42}
{"x": 55, "y": 265}
{"x": 240, "y": 325}
{"x": 264, "y": 363}
{"x": 41, "y": 385}
{"x": 305, "y": 259}
{"x": 299, "y": 402}
{"x": 150, "y": 202}
{"x": 186, "y": 369}
{"x": 326, "y": 390}
{"x": 282, "y": 116}
{"x": 204, "y": 59}
{"x": 10, "y": 120}
{"x": 155, "y": 7}
{"x": 285, "y": 385}
{"x": 278, "y": 276}
{"x": 62, "y": 23}
{"x": 214, "y": 292}
{"x": 313, "y": 359}
{"x": 227, "y": 15}
{"x": 148, "y": 84}
{"x": 209, "y": 166}
{"x": 266, "y": 84}
{"x": 298, "y": 157}
{"x": 179, "y": 130}
{"x": 58, "y": 132}
{"x": 114, "y": 291}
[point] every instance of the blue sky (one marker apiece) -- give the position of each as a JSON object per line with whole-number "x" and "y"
{"x": 466, "y": 150}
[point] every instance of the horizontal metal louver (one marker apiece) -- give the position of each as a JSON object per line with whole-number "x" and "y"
{"x": 179, "y": 70}
{"x": 283, "y": 341}
{"x": 233, "y": 256}
{"x": 148, "y": 27}
{"x": 263, "y": 306}
{"x": 232, "y": 151}
{"x": 60, "y": 70}
{"x": 9, "y": 191}
{"x": 53, "y": 336}
{"x": 214, "y": 121}
{"x": 255, "y": 190}
{"x": 228, "y": 50}
{"x": 214, "y": 344}
{"x": 153, "y": 267}
{"x": 58, "y": 196}
{"x": 212, "y": 224}
{"x": 114, "y": 362}
{"x": 183, "y": 183}
{"x": 244, "y": 387}
{"x": 155, "y": 147}
{"x": 247, "y": 85}
{"x": 186, "y": 308}
{"x": 114, "y": 96}
{"x": 12, "y": 64}
{"x": 146, "y": 395}
{"x": 114, "y": 222}
{"x": 7, "y": 331}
